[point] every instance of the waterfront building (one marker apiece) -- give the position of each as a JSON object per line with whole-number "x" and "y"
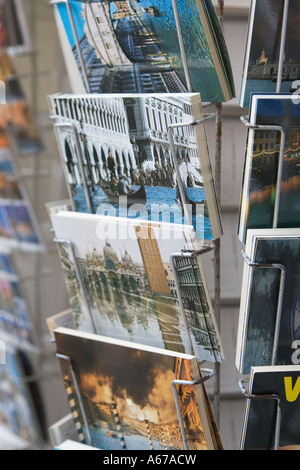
{"x": 266, "y": 69}
{"x": 120, "y": 55}
{"x": 134, "y": 131}
{"x": 102, "y": 128}
{"x": 113, "y": 271}
{"x": 100, "y": 34}
{"x": 148, "y": 120}
{"x": 266, "y": 143}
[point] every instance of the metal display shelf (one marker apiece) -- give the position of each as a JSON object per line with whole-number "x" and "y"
{"x": 279, "y": 129}
{"x": 218, "y": 116}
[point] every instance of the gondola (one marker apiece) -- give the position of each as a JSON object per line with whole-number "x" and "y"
{"x": 193, "y": 204}
{"x": 134, "y": 197}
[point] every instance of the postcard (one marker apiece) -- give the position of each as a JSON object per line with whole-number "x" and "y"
{"x": 261, "y": 63}
{"x": 120, "y": 282}
{"x": 16, "y": 410}
{"x": 137, "y": 47}
{"x": 127, "y": 390}
{"x": 17, "y": 122}
{"x": 10, "y": 188}
{"x": 18, "y": 226}
{"x": 14, "y": 37}
{"x": 16, "y": 325}
{"x": 269, "y": 309}
{"x": 138, "y": 156}
{"x": 270, "y": 189}
{"x": 6, "y": 264}
{"x": 260, "y": 422}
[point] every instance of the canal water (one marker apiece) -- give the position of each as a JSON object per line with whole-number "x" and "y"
{"x": 201, "y": 68}
{"x": 156, "y": 196}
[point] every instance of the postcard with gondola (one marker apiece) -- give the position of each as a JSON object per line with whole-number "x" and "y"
{"x": 142, "y": 156}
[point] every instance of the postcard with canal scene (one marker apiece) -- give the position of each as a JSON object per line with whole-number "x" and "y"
{"x": 143, "y": 46}
{"x": 260, "y": 415}
{"x": 261, "y": 63}
{"x": 271, "y": 186}
{"x": 16, "y": 325}
{"x": 120, "y": 281}
{"x": 128, "y": 401}
{"x": 18, "y": 403}
{"x": 18, "y": 224}
{"x": 129, "y": 155}
{"x": 269, "y": 321}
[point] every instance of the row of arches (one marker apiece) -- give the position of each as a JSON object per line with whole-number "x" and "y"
{"x": 108, "y": 114}
{"x": 123, "y": 282}
{"x": 96, "y": 162}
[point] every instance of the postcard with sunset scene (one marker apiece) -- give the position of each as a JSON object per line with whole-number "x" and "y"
{"x": 127, "y": 398}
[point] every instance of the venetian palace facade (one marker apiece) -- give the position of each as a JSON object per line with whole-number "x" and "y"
{"x": 133, "y": 129}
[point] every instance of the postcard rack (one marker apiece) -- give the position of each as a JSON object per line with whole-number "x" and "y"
{"x": 79, "y": 138}
{"x": 80, "y": 156}
{"x": 86, "y": 436}
{"x": 266, "y": 396}
{"x": 18, "y": 176}
{"x": 280, "y": 130}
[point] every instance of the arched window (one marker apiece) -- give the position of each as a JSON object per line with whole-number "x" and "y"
{"x": 70, "y": 162}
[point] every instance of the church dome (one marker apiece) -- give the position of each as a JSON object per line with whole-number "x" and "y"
{"x": 109, "y": 252}
{"x": 126, "y": 258}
